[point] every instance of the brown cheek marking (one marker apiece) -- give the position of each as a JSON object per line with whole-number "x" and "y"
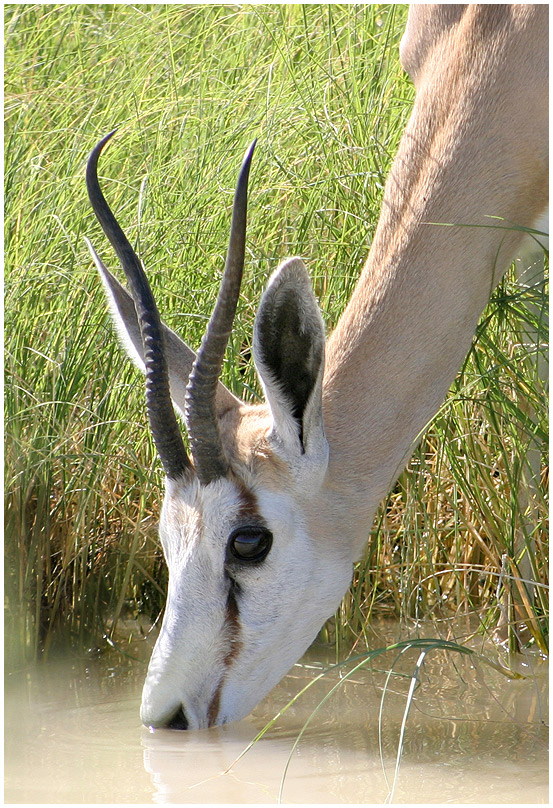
{"x": 248, "y": 514}
{"x": 232, "y": 631}
{"x": 214, "y": 707}
{"x": 232, "y": 623}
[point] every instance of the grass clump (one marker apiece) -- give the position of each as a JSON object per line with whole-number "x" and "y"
{"x": 190, "y": 86}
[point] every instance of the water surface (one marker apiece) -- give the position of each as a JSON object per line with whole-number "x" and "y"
{"x": 470, "y": 735}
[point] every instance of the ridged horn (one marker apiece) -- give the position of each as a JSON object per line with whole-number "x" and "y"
{"x": 201, "y": 418}
{"x": 162, "y": 418}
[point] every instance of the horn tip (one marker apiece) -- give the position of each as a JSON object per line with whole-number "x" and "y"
{"x": 249, "y": 152}
{"x": 109, "y": 135}
{"x": 95, "y": 153}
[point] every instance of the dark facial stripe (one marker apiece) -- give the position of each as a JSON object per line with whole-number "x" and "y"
{"x": 213, "y": 711}
{"x": 232, "y": 626}
{"x": 248, "y": 514}
{"x": 232, "y": 632}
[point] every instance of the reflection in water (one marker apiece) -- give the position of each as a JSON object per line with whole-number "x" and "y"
{"x": 73, "y": 735}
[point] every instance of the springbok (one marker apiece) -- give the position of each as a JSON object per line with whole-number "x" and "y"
{"x": 262, "y": 524}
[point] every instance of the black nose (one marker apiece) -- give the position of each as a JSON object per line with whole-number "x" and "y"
{"x": 179, "y": 720}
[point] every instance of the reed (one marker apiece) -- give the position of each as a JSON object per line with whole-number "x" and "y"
{"x": 189, "y": 86}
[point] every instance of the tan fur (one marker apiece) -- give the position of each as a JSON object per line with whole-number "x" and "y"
{"x": 244, "y": 432}
{"x": 476, "y": 147}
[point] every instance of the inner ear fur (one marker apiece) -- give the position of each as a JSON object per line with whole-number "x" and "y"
{"x": 288, "y": 348}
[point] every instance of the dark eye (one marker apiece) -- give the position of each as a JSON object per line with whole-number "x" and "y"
{"x": 250, "y": 543}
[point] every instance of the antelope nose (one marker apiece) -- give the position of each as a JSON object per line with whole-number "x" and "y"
{"x": 179, "y": 720}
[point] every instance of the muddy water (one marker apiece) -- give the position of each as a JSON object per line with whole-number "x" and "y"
{"x": 470, "y": 735}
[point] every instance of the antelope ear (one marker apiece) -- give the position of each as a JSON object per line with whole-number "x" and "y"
{"x": 288, "y": 350}
{"x": 180, "y": 357}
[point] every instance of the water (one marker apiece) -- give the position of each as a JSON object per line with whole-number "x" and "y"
{"x": 471, "y": 735}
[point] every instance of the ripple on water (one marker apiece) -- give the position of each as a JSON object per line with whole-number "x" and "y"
{"x": 73, "y": 735}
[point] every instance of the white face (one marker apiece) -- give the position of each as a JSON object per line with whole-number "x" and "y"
{"x": 234, "y": 627}
{"x": 234, "y": 624}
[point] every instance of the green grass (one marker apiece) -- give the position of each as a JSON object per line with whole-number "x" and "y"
{"x": 190, "y": 86}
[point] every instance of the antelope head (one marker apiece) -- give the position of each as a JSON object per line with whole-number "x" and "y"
{"x": 256, "y": 564}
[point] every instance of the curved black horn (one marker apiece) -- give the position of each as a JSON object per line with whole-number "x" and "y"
{"x": 163, "y": 422}
{"x": 201, "y": 418}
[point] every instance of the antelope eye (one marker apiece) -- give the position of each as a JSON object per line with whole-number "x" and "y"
{"x": 250, "y": 543}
